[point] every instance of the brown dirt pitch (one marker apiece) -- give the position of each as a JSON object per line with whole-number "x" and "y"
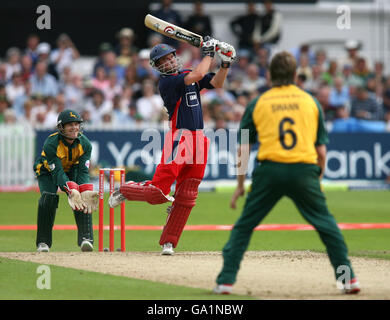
{"x": 263, "y": 274}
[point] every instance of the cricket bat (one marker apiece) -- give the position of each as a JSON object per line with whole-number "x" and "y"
{"x": 172, "y": 31}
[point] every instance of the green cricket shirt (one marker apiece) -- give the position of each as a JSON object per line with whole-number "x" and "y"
{"x": 64, "y": 161}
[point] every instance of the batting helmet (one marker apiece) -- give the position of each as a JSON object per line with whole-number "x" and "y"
{"x": 159, "y": 51}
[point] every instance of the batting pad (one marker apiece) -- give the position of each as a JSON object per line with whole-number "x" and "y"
{"x": 144, "y": 192}
{"x": 185, "y": 199}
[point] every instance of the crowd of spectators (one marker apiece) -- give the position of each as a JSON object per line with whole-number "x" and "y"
{"x": 347, "y": 88}
{"x": 39, "y": 81}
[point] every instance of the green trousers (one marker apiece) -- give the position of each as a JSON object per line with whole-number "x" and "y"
{"x": 47, "y": 206}
{"x": 272, "y": 181}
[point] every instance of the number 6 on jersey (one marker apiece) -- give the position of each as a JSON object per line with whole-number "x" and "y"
{"x": 283, "y": 133}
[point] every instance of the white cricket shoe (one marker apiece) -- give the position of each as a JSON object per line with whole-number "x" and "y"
{"x": 352, "y": 287}
{"x": 116, "y": 199}
{"x": 86, "y": 246}
{"x": 223, "y": 289}
{"x": 43, "y": 247}
{"x": 167, "y": 249}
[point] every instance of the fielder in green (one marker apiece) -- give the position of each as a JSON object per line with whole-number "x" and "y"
{"x": 64, "y": 163}
{"x": 288, "y": 124}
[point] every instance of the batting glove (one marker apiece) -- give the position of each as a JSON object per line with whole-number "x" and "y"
{"x": 89, "y": 197}
{"x": 209, "y": 46}
{"x": 227, "y": 53}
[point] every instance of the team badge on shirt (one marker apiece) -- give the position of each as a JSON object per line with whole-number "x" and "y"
{"x": 192, "y": 99}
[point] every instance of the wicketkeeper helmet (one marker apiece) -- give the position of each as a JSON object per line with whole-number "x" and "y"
{"x": 68, "y": 116}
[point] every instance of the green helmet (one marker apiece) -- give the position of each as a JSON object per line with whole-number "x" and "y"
{"x": 68, "y": 116}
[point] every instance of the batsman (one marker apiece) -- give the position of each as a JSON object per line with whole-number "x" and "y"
{"x": 64, "y": 163}
{"x": 184, "y": 155}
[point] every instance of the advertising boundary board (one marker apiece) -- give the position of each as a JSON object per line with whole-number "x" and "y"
{"x": 351, "y": 156}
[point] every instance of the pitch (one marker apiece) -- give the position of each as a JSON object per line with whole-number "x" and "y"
{"x": 280, "y": 264}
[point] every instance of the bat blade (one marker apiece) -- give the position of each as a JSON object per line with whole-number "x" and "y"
{"x": 172, "y": 31}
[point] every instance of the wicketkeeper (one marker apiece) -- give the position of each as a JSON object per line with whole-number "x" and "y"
{"x": 64, "y": 163}
{"x": 185, "y": 149}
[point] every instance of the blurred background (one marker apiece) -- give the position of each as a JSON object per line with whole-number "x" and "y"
{"x": 94, "y": 58}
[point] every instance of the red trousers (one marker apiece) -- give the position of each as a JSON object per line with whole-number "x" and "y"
{"x": 184, "y": 156}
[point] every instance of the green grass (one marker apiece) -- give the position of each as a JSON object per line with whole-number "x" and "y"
{"x": 21, "y": 283}
{"x": 211, "y": 208}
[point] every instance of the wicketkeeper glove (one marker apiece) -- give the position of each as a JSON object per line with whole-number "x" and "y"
{"x": 209, "y": 46}
{"x": 227, "y": 53}
{"x": 74, "y": 196}
{"x": 89, "y": 197}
